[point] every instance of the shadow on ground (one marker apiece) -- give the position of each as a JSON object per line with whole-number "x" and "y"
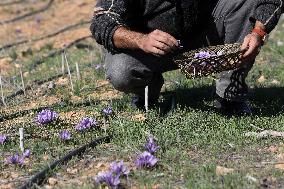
{"x": 264, "y": 101}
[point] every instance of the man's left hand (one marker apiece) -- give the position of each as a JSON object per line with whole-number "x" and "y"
{"x": 251, "y": 47}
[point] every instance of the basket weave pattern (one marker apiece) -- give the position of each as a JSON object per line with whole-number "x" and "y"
{"x": 210, "y": 60}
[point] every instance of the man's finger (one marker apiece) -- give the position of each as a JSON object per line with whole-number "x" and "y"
{"x": 163, "y": 46}
{"x": 158, "y": 52}
{"x": 167, "y": 38}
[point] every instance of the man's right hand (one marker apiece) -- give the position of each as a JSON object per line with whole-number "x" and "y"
{"x": 158, "y": 43}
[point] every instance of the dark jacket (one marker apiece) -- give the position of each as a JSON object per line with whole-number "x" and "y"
{"x": 176, "y": 17}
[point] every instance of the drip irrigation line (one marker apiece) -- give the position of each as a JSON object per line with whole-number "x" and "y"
{"x": 57, "y": 105}
{"x": 64, "y": 29}
{"x": 57, "y": 52}
{"x": 11, "y": 3}
{"x": 28, "y": 14}
{"x": 37, "y": 82}
{"x": 41, "y": 176}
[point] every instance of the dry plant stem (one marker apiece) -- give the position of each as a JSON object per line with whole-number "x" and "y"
{"x": 23, "y": 83}
{"x": 2, "y": 92}
{"x": 69, "y": 73}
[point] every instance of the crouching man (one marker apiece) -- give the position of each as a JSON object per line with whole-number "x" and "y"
{"x": 140, "y": 37}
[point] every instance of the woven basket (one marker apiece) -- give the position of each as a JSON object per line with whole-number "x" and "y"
{"x": 210, "y": 60}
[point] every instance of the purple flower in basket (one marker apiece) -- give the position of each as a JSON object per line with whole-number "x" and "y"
{"x": 119, "y": 168}
{"x": 15, "y": 159}
{"x": 108, "y": 178}
{"x": 107, "y": 111}
{"x": 85, "y": 123}
{"x": 27, "y": 153}
{"x": 3, "y": 138}
{"x": 203, "y": 54}
{"x": 46, "y": 116}
{"x": 151, "y": 146}
{"x": 146, "y": 159}
{"x": 65, "y": 135}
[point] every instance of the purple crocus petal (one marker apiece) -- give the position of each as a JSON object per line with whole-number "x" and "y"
{"x": 146, "y": 159}
{"x": 107, "y": 111}
{"x": 27, "y": 153}
{"x": 108, "y": 178}
{"x": 15, "y": 159}
{"x": 65, "y": 135}
{"x": 3, "y": 139}
{"x": 86, "y": 123}
{"x": 119, "y": 168}
{"x": 151, "y": 146}
{"x": 46, "y": 116}
{"x": 202, "y": 54}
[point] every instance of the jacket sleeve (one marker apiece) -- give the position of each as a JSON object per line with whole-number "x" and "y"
{"x": 268, "y": 12}
{"x": 108, "y": 16}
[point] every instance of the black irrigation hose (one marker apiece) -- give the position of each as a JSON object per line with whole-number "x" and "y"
{"x": 37, "y": 82}
{"x": 11, "y": 3}
{"x": 57, "y": 52}
{"x": 40, "y": 177}
{"x": 36, "y": 110}
{"x": 28, "y": 14}
{"x": 46, "y": 36}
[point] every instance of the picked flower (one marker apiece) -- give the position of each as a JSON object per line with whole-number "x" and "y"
{"x": 151, "y": 146}
{"x": 65, "y": 135}
{"x": 202, "y": 54}
{"x": 146, "y": 159}
{"x": 15, "y": 159}
{"x": 108, "y": 178}
{"x": 85, "y": 123}
{"x": 119, "y": 168}
{"x": 3, "y": 139}
{"x": 46, "y": 116}
{"x": 27, "y": 153}
{"x": 107, "y": 111}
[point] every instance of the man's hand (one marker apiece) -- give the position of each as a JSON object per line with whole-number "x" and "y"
{"x": 158, "y": 43}
{"x": 251, "y": 47}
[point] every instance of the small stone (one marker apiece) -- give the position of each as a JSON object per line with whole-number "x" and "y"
{"x": 51, "y": 85}
{"x": 221, "y": 171}
{"x": 52, "y": 181}
{"x": 261, "y": 79}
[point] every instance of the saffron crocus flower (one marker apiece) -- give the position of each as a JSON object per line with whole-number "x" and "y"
{"x": 203, "y": 54}
{"x": 107, "y": 111}
{"x": 3, "y": 138}
{"x": 151, "y": 146}
{"x": 85, "y": 123}
{"x": 65, "y": 135}
{"x": 15, "y": 159}
{"x": 46, "y": 116}
{"x": 27, "y": 153}
{"x": 119, "y": 168}
{"x": 108, "y": 178}
{"x": 146, "y": 159}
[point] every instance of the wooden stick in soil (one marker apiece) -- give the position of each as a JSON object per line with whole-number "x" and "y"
{"x": 62, "y": 64}
{"x": 21, "y": 132}
{"x": 78, "y": 71}
{"x": 23, "y": 83}
{"x": 69, "y": 73}
{"x": 2, "y": 92}
{"x": 147, "y": 98}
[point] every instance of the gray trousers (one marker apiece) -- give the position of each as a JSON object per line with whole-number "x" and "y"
{"x": 131, "y": 71}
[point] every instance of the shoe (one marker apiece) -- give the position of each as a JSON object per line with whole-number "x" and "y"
{"x": 139, "y": 103}
{"x": 232, "y": 108}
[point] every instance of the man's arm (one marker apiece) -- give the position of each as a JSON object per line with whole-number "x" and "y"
{"x": 267, "y": 16}
{"x": 157, "y": 42}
